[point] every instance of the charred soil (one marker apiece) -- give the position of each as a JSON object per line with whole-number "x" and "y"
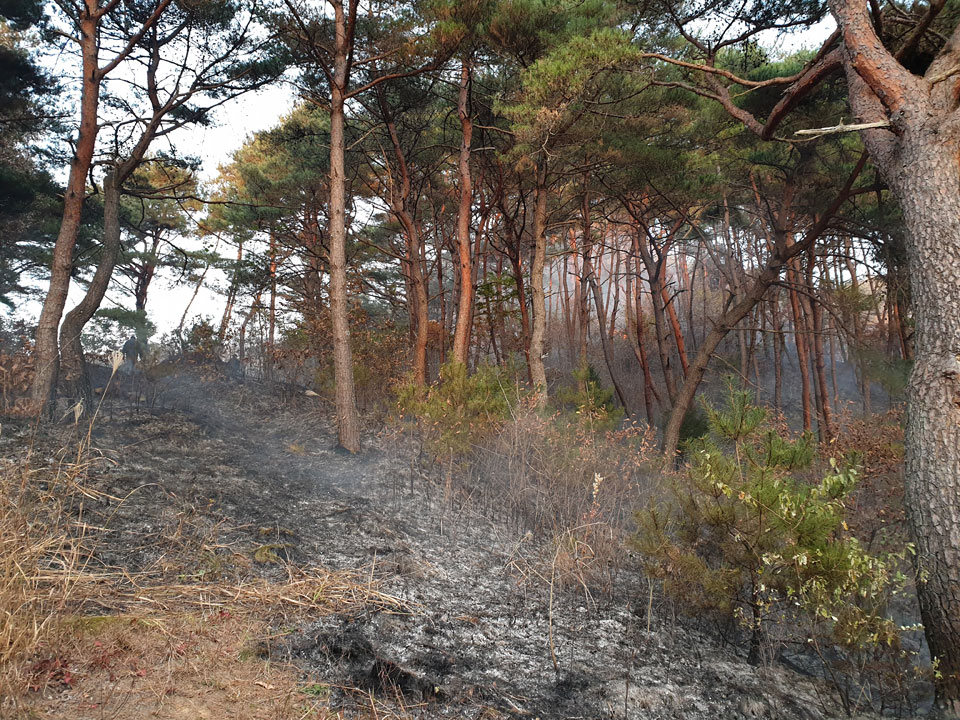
{"x": 219, "y": 481}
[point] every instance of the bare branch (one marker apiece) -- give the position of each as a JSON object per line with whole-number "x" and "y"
{"x": 841, "y": 128}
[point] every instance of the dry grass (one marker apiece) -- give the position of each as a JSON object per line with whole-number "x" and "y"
{"x": 558, "y": 472}
{"x": 80, "y": 640}
{"x": 178, "y": 665}
{"x": 41, "y": 562}
{"x": 877, "y": 514}
{"x": 568, "y": 487}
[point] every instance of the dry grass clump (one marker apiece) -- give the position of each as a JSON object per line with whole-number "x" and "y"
{"x": 41, "y": 562}
{"x": 314, "y": 591}
{"x": 553, "y": 473}
{"x": 570, "y": 484}
{"x": 81, "y": 640}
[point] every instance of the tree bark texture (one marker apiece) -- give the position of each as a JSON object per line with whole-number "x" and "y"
{"x": 461, "y": 338}
{"x": 71, "y": 349}
{"x": 348, "y": 419}
{"x": 46, "y": 352}
{"x": 918, "y": 158}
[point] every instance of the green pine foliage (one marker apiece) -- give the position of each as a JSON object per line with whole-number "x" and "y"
{"x": 748, "y": 536}
{"x": 589, "y": 400}
{"x": 460, "y": 410}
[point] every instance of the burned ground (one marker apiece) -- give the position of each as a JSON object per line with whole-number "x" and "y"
{"x": 218, "y": 480}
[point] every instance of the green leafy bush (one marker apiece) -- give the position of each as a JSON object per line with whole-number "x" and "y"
{"x": 747, "y": 536}
{"x": 201, "y": 343}
{"x": 590, "y": 400}
{"x": 460, "y": 410}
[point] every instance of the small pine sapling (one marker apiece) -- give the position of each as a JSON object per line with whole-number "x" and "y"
{"x": 747, "y": 535}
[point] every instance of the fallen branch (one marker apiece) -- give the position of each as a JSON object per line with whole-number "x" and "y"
{"x": 944, "y": 75}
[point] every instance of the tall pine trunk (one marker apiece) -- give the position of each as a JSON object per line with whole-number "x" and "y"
{"x": 920, "y": 161}
{"x": 461, "y": 338}
{"x": 46, "y": 351}
{"x": 348, "y": 419}
{"x": 71, "y": 349}
{"x": 930, "y": 197}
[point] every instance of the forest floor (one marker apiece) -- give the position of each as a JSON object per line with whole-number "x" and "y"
{"x": 260, "y": 573}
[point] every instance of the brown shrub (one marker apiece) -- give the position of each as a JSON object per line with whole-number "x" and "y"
{"x": 16, "y": 377}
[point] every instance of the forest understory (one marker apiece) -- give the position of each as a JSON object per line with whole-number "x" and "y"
{"x": 219, "y": 557}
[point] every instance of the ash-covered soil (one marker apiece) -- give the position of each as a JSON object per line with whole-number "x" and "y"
{"x": 226, "y": 476}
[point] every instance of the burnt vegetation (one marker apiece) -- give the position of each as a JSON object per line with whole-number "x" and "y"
{"x": 541, "y": 359}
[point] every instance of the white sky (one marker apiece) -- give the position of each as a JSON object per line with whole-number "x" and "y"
{"x": 233, "y": 124}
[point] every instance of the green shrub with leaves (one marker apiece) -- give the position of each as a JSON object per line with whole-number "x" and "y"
{"x": 590, "y": 400}
{"x": 200, "y": 342}
{"x": 695, "y": 424}
{"x": 749, "y": 536}
{"x": 460, "y": 410}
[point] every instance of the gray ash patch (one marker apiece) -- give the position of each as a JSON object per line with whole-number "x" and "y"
{"x": 224, "y": 470}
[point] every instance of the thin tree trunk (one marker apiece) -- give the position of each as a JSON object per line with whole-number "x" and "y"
{"x": 799, "y": 336}
{"x": 272, "y": 321}
{"x": 671, "y": 309}
{"x": 71, "y": 349}
{"x": 46, "y": 351}
{"x": 417, "y": 286}
{"x": 633, "y": 335}
{"x": 858, "y": 344}
{"x": 461, "y": 338}
{"x": 615, "y": 280}
{"x": 606, "y": 345}
{"x": 442, "y": 292}
{"x": 641, "y": 330}
{"x": 660, "y": 323}
{"x": 825, "y": 425}
{"x": 196, "y": 291}
{"x": 242, "y": 336}
{"x": 690, "y": 305}
{"x": 145, "y": 273}
{"x": 777, "y": 352}
{"x": 539, "y": 308}
{"x": 348, "y": 420}
{"x": 231, "y": 297}
{"x": 590, "y": 277}
{"x": 565, "y": 304}
{"x": 583, "y": 301}
{"x": 524, "y": 312}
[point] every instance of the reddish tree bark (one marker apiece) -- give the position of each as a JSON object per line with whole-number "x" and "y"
{"x": 461, "y": 337}
{"x": 539, "y": 307}
{"x": 46, "y": 351}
